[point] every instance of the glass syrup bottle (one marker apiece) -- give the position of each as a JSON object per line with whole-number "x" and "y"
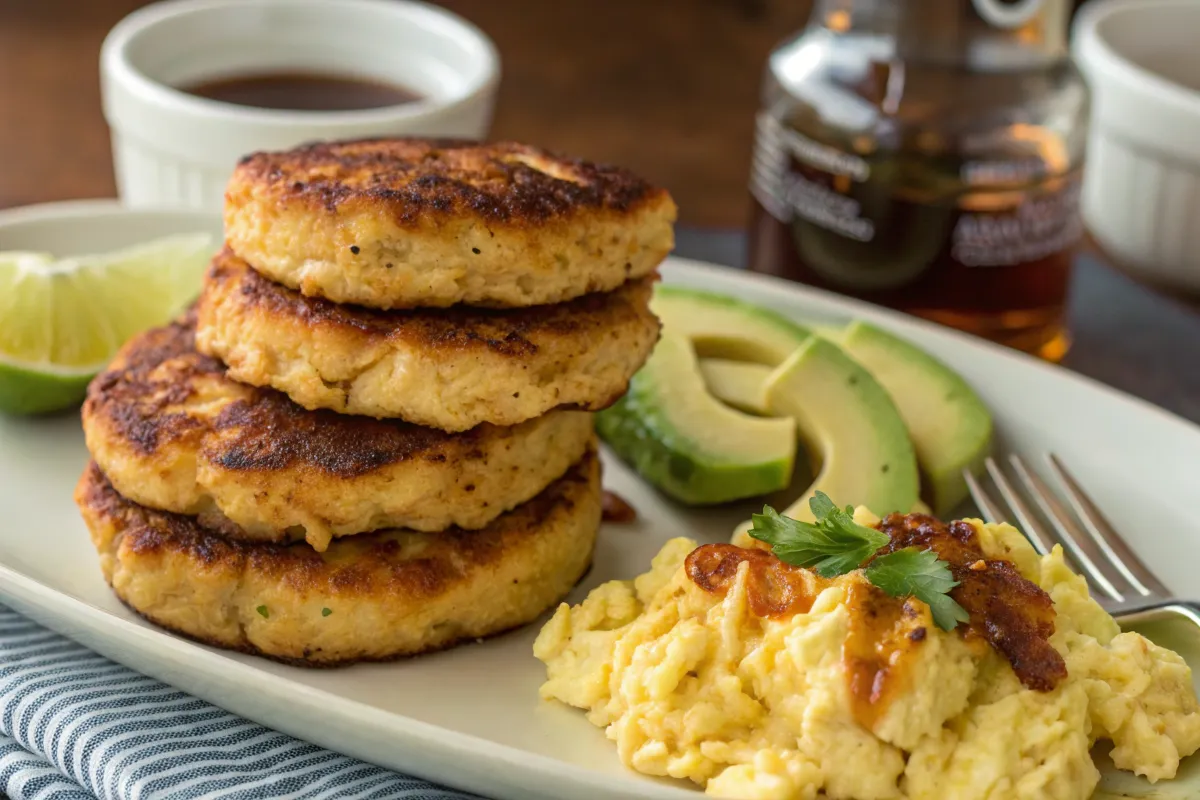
{"x": 926, "y": 155}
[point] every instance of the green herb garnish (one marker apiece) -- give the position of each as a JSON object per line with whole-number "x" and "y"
{"x": 325, "y": 612}
{"x": 262, "y": 611}
{"x": 923, "y": 575}
{"x": 835, "y": 544}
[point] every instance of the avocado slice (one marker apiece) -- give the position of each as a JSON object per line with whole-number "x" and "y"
{"x": 689, "y": 444}
{"x": 785, "y": 390}
{"x": 741, "y": 384}
{"x": 725, "y": 327}
{"x": 950, "y": 427}
{"x": 850, "y": 425}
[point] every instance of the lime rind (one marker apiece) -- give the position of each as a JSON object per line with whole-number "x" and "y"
{"x": 25, "y": 392}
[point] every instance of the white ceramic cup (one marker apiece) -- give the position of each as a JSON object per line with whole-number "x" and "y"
{"x": 1141, "y": 188}
{"x": 173, "y": 149}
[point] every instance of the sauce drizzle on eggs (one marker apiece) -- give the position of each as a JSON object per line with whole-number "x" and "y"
{"x": 883, "y": 629}
{"x": 1010, "y": 612}
{"x": 773, "y": 588}
{"x": 1014, "y": 615}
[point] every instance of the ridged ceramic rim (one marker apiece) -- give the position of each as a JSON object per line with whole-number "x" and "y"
{"x": 1095, "y": 52}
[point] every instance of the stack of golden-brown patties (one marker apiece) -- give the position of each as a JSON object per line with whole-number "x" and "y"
{"x": 372, "y": 436}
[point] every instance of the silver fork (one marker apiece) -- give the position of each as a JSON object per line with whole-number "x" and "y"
{"x": 1118, "y": 579}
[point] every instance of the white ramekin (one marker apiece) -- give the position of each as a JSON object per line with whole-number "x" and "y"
{"x": 173, "y": 149}
{"x": 1141, "y": 188}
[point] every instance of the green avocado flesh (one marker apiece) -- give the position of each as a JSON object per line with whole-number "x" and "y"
{"x": 950, "y": 427}
{"x": 690, "y": 445}
{"x": 868, "y": 408}
{"x": 850, "y": 426}
{"x": 727, "y": 328}
{"x": 741, "y": 384}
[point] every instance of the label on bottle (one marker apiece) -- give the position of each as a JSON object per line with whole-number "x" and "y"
{"x": 787, "y": 193}
{"x": 869, "y": 227}
{"x": 1036, "y": 228}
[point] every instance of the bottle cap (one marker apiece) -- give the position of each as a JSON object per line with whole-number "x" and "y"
{"x": 1007, "y": 13}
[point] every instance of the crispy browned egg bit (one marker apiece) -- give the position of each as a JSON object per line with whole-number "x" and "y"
{"x": 283, "y": 473}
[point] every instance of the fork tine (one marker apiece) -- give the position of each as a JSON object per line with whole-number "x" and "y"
{"x": 1034, "y": 530}
{"x": 1074, "y": 539}
{"x": 987, "y": 506}
{"x": 1106, "y": 537}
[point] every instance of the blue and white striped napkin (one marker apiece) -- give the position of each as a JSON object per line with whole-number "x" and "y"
{"x": 76, "y": 726}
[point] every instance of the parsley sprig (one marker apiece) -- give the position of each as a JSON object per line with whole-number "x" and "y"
{"x": 835, "y": 544}
{"x": 923, "y": 575}
{"x": 832, "y": 546}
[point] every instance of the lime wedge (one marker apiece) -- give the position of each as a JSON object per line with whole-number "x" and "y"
{"x": 62, "y": 320}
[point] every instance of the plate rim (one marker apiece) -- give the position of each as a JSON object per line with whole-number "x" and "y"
{"x": 85, "y": 207}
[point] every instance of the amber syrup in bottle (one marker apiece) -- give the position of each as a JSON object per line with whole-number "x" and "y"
{"x": 926, "y": 155}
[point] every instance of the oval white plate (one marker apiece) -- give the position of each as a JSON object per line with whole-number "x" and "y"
{"x": 471, "y": 717}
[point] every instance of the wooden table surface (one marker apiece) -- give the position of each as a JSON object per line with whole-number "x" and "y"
{"x": 668, "y": 88}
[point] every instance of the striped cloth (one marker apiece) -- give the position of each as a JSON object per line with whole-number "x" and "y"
{"x": 76, "y": 726}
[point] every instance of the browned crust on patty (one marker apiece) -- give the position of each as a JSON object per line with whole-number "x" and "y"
{"x": 415, "y": 223}
{"x": 447, "y": 368}
{"x": 371, "y": 564}
{"x": 514, "y": 333}
{"x": 173, "y": 432}
{"x": 305, "y": 661}
{"x": 426, "y": 591}
{"x": 262, "y": 430}
{"x": 418, "y": 181}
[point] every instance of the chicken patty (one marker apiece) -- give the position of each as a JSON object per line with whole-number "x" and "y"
{"x": 172, "y": 432}
{"x": 450, "y": 369}
{"x": 406, "y": 223}
{"x": 367, "y": 598}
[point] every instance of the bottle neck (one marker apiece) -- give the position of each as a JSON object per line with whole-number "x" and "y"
{"x": 985, "y": 35}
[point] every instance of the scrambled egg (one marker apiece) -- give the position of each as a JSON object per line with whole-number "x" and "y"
{"x": 691, "y": 684}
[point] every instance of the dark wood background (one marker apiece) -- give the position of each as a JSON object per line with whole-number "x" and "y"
{"x": 666, "y": 87}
